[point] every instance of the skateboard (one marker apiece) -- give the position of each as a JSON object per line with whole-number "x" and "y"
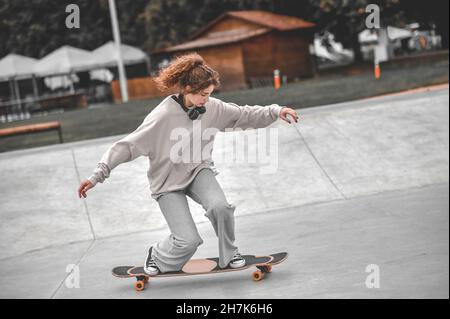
{"x": 203, "y": 267}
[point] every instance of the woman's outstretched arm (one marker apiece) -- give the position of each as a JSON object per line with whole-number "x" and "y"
{"x": 232, "y": 116}
{"x": 137, "y": 143}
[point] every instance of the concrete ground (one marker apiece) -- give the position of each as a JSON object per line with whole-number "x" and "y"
{"x": 356, "y": 190}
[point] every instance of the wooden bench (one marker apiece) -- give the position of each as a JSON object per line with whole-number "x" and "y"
{"x": 32, "y": 128}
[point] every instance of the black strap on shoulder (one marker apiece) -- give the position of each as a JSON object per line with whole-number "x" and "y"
{"x": 193, "y": 113}
{"x": 180, "y": 101}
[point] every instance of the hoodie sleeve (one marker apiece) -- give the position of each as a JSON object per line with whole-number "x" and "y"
{"x": 137, "y": 143}
{"x": 231, "y": 115}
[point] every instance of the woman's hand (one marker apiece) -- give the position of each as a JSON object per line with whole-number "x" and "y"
{"x": 84, "y": 187}
{"x": 287, "y": 110}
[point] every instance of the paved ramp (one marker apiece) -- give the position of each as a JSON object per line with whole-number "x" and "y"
{"x": 355, "y": 183}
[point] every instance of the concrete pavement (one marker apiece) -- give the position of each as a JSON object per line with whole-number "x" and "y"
{"x": 358, "y": 183}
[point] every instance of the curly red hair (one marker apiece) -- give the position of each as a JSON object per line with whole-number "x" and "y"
{"x": 187, "y": 70}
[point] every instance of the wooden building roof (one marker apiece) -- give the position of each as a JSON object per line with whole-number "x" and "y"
{"x": 266, "y": 20}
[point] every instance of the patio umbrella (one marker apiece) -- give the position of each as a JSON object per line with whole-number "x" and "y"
{"x": 14, "y": 67}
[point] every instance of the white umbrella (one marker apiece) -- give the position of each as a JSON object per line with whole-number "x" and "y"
{"x": 397, "y": 33}
{"x": 15, "y": 66}
{"x": 64, "y": 60}
{"x": 106, "y": 55}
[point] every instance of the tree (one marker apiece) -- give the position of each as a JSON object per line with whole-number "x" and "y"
{"x": 35, "y": 28}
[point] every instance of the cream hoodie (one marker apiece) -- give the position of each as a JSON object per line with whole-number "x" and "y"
{"x": 176, "y": 144}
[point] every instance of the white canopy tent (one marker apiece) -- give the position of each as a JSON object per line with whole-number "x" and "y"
{"x": 106, "y": 55}
{"x": 60, "y": 65}
{"x": 68, "y": 60}
{"x": 15, "y": 67}
{"x": 382, "y": 42}
{"x": 372, "y": 36}
{"x": 397, "y": 33}
{"x": 64, "y": 60}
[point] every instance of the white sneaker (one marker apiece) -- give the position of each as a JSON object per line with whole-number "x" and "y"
{"x": 150, "y": 267}
{"x": 237, "y": 261}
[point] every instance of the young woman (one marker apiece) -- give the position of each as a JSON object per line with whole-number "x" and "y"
{"x": 171, "y": 176}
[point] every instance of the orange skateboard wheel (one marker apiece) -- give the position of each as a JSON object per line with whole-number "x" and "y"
{"x": 258, "y": 275}
{"x": 139, "y": 285}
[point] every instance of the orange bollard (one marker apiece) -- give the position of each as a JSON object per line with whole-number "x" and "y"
{"x": 377, "y": 71}
{"x": 276, "y": 79}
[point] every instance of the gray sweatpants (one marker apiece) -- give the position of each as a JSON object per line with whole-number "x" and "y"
{"x": 172, "y": 253}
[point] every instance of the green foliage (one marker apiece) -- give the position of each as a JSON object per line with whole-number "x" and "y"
{"x": 37, "y": 27}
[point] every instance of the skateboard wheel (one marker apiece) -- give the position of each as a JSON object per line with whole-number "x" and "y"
{"x": 139, "y": 285}
{"x": 269, "y": 268}
{"x": 258, "y": 275}
{"x": 146, "y": 279}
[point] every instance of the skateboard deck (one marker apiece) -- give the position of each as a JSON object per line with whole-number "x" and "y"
{"x": 202, "y": 267}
